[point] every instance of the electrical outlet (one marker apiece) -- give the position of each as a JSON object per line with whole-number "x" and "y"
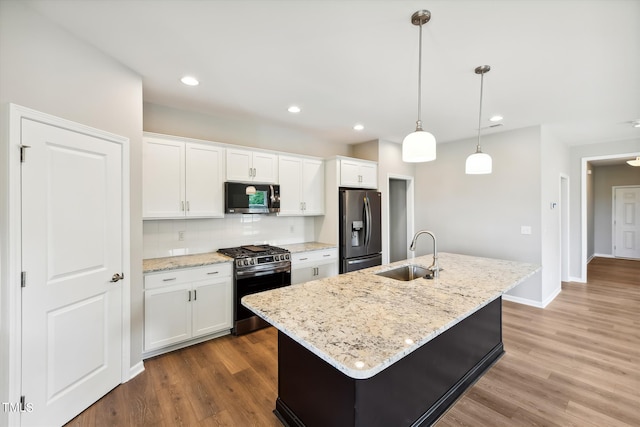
{"x": 181, "y": 235}
{"x": 525, "y": 229}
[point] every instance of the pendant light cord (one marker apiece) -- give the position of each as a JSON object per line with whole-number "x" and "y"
{"x": 419, "y": 122}
{"x": 478, "y": 150}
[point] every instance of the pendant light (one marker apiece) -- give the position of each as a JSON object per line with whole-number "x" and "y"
{"x": 419, "y": 146}
{"x": 479, "y": 163}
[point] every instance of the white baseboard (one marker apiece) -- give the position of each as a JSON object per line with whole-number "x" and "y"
{"x": 533, "y": 303}
{"x": 602, "y": 256}
{"x": 577, "y": 279}
{"x": 525, "y": 301}
{"x": 136, "y": 369}
{"x": 551, "y": 297}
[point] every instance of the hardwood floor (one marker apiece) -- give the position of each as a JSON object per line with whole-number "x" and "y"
{"x": 574, "y": 363}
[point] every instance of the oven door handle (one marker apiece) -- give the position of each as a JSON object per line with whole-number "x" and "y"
{"x": 269, "y": 270}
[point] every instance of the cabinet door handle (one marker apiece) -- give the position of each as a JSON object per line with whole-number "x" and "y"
{"x": 303, "y": 259}
{"x": 182, "y": 206}
{"x": 189, "y": 296}
{"x": 213, "y": 272}
{"x": 195, "y": 294}
{"x": 169, "y": 280}
{"x": 188, "y": 206}
{"x": 326, "y": 255}
{"x": 254, "y": 172}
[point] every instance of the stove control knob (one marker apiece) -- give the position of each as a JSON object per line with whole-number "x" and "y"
{"x": 246, "y": 262}
{"x": 239, "y": 263}
{"x": 287, "y": 255}
{"x": 277, "y": 257}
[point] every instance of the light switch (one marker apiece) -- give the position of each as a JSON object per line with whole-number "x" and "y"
{"x": 525, "y": 229}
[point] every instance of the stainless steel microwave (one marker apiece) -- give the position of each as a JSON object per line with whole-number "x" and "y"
{"x": 251, "y": 198}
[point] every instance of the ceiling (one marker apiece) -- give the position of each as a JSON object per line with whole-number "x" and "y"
{"x": 572, "y": 65}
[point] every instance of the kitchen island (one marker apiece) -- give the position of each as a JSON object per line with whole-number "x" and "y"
{"x": 366, "y": 350}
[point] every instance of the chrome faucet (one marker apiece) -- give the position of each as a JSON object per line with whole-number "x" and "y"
{"x": 434, "y": 266}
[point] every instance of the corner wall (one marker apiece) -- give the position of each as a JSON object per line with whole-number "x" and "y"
{"x": 554, "y": 164}
{"x": 45, "y": 68}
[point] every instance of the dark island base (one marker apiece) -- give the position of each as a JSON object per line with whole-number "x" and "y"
{"x": 414, "y": 391}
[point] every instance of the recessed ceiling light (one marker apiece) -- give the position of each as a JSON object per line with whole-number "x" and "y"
{"x": 294, "y": 109}
{"x": 358, "y": 126}
{"x": 496, "y": 118}
{"x": 190, "y": 81}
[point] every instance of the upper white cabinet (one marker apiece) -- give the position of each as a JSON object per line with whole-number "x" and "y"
{"x": 247, "y": 165}
{"x": 181, "y": 179}
{"x": 301, "y": 186}
{"x": 358, "y": 173}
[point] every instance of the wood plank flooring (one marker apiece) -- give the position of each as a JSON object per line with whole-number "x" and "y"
{"x": 574, "y": 363}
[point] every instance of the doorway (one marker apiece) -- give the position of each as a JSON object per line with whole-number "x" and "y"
{"x": 586, "y": 200}
{"x": 400, "y": 224}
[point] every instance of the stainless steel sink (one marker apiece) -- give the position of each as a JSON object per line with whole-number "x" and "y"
{"x": 406, "y": 273}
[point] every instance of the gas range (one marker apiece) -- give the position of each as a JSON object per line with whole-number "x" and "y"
{"x": 257, "y": 258}
{"x": 257, "y": 268}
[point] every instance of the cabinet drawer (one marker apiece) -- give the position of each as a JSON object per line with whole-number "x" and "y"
{"x": 314, "y": 256}
{"x": 173, "y": 277}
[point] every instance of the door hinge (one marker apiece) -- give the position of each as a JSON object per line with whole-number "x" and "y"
{"x": 23, "y": 279}
{"x": 23, "y": 153}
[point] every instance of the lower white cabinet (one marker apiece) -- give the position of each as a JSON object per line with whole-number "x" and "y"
{"x": 313, "y": 265}
{"x": 181, "y": 306}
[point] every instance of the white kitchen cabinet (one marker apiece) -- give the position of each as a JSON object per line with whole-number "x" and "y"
{"x": 252, "y": 166}
{"x": 183, "y": 306}
{"x": 182, "y": 179}
{"x": 313, "y": 265}
{"x": 358, "y": 173}
{"x": 301, "y": 186}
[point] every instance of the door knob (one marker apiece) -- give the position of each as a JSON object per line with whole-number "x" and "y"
{"x": 117, "y": 277}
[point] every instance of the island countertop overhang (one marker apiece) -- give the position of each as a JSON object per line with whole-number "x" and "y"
{"x": 361, "y": 323}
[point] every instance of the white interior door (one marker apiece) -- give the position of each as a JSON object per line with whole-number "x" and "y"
{"x": 626, "y": 229}
{"x": 72, "y": 219}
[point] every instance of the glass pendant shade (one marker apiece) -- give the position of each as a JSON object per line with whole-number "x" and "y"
{"x": 419, "y": 146}
{"x": 478, "y": 163}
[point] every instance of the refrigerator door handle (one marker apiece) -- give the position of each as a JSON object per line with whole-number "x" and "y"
{"x": 367, "y": 215}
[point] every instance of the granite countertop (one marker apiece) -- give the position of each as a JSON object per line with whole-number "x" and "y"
{"x": 306, "y": 247}
{"x": 152, "y": 265}
{"x": 361, "y": 323}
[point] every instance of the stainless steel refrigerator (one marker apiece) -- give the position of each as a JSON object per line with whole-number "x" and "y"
{"x": 360, "y": 229}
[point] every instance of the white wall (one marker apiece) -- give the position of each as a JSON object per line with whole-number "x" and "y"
{"x": 45, "y": 68}
{"x": 606, "y": 177}
{"x": 231, "y": 130}
{"x": 576, "y": 154}
{"x": 481, "y": 215}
